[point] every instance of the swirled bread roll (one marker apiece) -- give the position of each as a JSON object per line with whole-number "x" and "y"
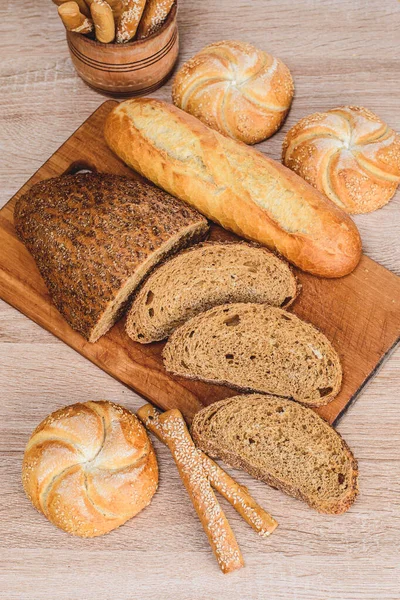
{"x": 347, "y": 153}
{"x": 89, "y": 468}
{"x": 236, "y": 89}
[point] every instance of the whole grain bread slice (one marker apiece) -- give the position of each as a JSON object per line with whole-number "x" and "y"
{"x": 255, "y": 347}
{"x": 204, "y": 276}
{"x": 284, "y": 444}
{"x": 94, "y": 238}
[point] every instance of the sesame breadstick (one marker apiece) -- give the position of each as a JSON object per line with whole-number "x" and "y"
{"x": 237, "y": 495}
{"x": 189, "y": 463}
{"x": 103, "y": 20}
{"x": 73, "y": 19}
{"x": 83, "y": 7}
{"x": 154, "y": 15}
{"x": 129, "y": 20}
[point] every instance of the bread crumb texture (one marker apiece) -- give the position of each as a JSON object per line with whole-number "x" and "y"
{"x": 204, "y": 276}
{"x": 256, "y": 347}
{"x": 284, "y": 444}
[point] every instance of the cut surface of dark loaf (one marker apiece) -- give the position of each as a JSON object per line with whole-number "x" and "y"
{"x": 284, "y": 444}
{"x": 94, "y": 238}
{"x": 255, "y": 347}
{"x": 207, "y": 275}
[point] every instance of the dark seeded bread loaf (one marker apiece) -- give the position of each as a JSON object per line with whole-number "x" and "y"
{"x": 94, "y": 238}
{"x": 284, "y": 444}
{"x": 255, "y": 347}
{"x": 207, "y": 275}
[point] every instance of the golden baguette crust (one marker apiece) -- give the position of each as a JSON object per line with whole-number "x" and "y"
{"x": 347, "y": 153}
{"x": 89, "y": 468}
{"x": 235, "y": 88}
{"x": 234, "y": 185}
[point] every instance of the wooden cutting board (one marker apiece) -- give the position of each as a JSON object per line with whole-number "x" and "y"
{"x": 359, "y": 313}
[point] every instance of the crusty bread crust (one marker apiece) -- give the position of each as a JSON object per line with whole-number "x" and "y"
{"x": 95, "y": 237}
{"x": 234, "y": 185}
{"x": 238, "y": 462}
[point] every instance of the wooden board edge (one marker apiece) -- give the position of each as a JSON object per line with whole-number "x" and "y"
{"x": 366, "y": 382}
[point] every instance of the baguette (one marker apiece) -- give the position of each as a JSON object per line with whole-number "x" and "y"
{"x": 234, "y": 185}
{"x": 234, "y": 493}
{"x": 211, "y": 515}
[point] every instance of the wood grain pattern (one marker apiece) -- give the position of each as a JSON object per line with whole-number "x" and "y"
{"x": 359, "y": 313}
{"x": 339, "y": 53}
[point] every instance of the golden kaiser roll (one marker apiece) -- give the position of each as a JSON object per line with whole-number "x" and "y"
{"x": 237, "y": 89}
{"x": 90, "y": 467}
{"x": 347, "y": 153}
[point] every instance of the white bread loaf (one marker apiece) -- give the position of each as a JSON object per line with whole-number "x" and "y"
{"x": 235, "y": 186}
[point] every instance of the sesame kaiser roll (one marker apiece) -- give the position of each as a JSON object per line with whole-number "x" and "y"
{"x": 90, "y": 467}
{"x": 236, "y": 89}
{"x": 347, "y": 153}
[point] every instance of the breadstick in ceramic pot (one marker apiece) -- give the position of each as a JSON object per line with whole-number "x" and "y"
{"x": 189, "y": 463}
{"x": 129, "y": 20}
{"x": 154, "y": 15}
{"x": 103, "y": 20}
{"x": 237, "y": 495}
{"x": 83, "y": 7}
{"x": 73, "y": 19}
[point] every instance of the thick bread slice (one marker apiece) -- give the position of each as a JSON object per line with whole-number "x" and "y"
{"x": 94, "y": 238}
{"x": 234, "y": 185}
{"x": 284, "y": 444}
{"x": 204, "y": 276}
{"x": 255, "y": 347}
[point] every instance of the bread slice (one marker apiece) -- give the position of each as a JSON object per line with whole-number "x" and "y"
{"x": 95, "y": 237}
{"x": 284, "y": 444}
{"x": 255, "y": 347}
{"x": 204, "y": 276}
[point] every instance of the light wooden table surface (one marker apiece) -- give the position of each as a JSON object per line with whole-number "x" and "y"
{"x": 339, "y": 53}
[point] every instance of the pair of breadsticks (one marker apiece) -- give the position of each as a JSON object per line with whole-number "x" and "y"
{"x": 200, "y": 474}
{"x": 114, "y": 20}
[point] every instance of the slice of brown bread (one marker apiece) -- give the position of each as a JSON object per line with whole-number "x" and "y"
{"x": 255, "y": 347}
{"x": 95, "y": 237}
{"x": 204, "y": 276}
{"x": 284, "y": 444}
